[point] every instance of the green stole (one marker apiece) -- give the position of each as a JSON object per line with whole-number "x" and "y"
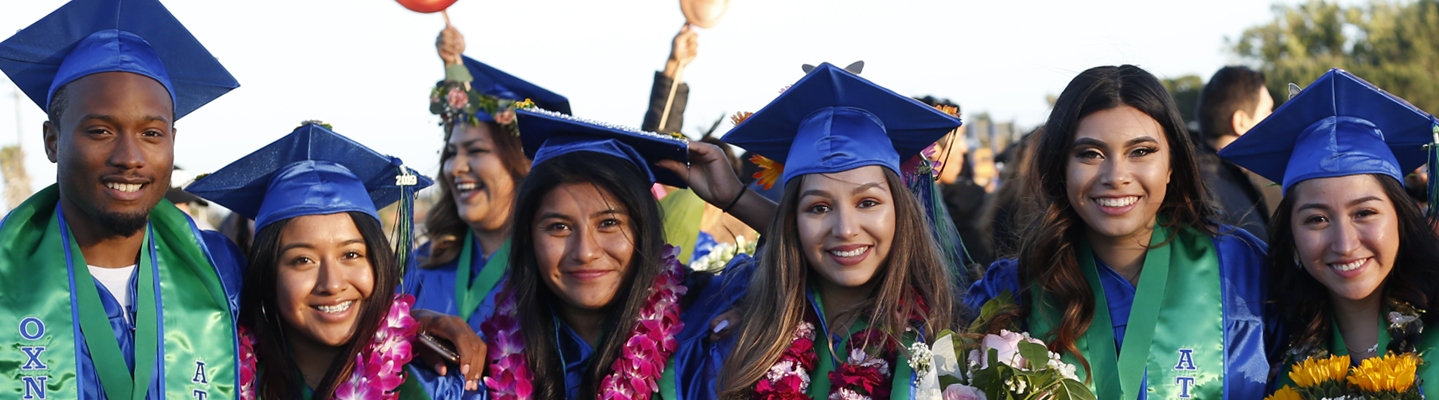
{"x": 1181, "y": 349}
{"x": 819, "y": 383}
{"x": 1426, "y": 346}
{"x": 469, "y": 295}
{"x": 45, "y": 289}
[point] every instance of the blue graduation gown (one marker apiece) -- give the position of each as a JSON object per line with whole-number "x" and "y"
{"x": 230, "y": 265}
{"x": 697, "y": 360}
{"x": 1248, "y": 327}
{"x": 434, "y": 288}
{"x": 443, "y": 387}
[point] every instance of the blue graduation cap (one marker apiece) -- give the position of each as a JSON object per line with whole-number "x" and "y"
{"x": 1340, "y": 125}
{"x": 494, "y": 82}
{"x": 832, "y": 121}
{"x": 86, "y": 37}
{"x": 311, "y": 171}
{"x": 547, "y": 134}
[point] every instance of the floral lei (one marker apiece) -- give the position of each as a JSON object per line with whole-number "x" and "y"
{"x": 866, "y": 374}
{"x": 378, "y": 370}
{"x": 634, "y": 375}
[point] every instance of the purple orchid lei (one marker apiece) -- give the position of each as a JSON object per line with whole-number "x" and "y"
{"x": 634, "y": 375}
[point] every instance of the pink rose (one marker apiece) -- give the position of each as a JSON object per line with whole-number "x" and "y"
{"x": 457, "y": 98}
{"x": 505, "y": 117}
{"x": 961, "y": 392}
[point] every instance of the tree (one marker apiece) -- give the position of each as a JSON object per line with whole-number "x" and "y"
{"x": 1185, "y": 91}
{"x": 1394, "y": 45}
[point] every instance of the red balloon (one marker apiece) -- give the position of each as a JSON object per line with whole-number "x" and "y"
{"x": 426, "y": 6}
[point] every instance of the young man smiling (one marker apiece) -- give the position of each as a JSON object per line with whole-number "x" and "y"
{"x": 158, "y": 319}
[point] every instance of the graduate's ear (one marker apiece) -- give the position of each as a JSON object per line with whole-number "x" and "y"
{"x": 52, "y": 141}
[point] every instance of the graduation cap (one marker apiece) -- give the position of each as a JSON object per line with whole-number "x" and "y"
{"x": 1340, "y": 125}
{"x": 832, "y": 121}
{"x": 494, "y": 82}
{"x": 311, "y": 171}
{"x": 85, "y": 37}
{"x": 547, "y": 134}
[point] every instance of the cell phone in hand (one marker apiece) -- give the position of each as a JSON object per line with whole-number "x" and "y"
{"x": 443, "y": 347}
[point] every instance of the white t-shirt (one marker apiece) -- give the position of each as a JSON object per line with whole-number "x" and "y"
{"x": 116, "y": 281}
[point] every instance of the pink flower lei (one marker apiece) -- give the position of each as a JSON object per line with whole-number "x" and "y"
{"x": 633, "y": 376}
{"x": 379, "y": 370}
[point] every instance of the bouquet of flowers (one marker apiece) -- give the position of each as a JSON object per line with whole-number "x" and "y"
{"x": 1390, "y": 377}
{"x": 981, "y": 366}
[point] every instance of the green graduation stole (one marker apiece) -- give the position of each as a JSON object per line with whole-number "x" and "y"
{"x": 819, "y": 384}
{"x": 50, "y": 303}
{"x": 1426, "y": 347}
{"x": 1175, "y": 332}
{"x": 469, "y": 295}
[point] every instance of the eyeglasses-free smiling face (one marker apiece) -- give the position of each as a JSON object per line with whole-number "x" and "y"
{"x": 1346, "y": 233}
{"x": 1118, "y": 172}
{"x": 324, "y": 277}
{"x": 482, "y": 188}
{"x": 115, "y": 147}
{"x": 846, "y": 224}
{"x": 583, "y": 245}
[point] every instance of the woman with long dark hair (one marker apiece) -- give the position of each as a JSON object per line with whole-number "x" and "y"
{"x": 481, "y": 165}
{"x": 1352, "y": 257}
{"x": 596, "y": 304}
{"x": 850, "y": 262}
{"x": 1121, "y": 268}
{"x": 318, "y": 315}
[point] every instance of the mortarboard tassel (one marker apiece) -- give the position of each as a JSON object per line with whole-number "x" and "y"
{"x": 1433, "y": 168}
{"x": 405, "y": 218}
{"x": 921, "y": 182}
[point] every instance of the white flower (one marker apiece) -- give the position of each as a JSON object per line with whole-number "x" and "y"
{"x": 1066, "y": 370}
{"x": 921, "y": 359}
{"x": 846, "y": 394}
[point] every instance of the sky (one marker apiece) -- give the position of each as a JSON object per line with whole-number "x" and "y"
{"x": 367, "y": 66}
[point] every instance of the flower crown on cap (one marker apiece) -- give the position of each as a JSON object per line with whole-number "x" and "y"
{"x": 459, "y": 102}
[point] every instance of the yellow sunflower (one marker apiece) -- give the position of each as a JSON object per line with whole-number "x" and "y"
{"x": 1287, "y": 393}
{"x": 1392, "y": 372}
{"x": 1313, "y": 372}
{"x": 770, "y": 171}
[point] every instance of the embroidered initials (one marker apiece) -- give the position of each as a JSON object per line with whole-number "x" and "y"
{"x": 200, "y": 394}
{"x": 199, "y": 376}
{"x": 1184, "y": 382}
{"x": 34, "y": 354}
{"x": 32, "y": 328}
{"x": 34, "y": 387}
{"x": 1186, "y": 360}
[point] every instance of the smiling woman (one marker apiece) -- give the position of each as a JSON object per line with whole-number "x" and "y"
{"x": 595, "y": 304}
{"x": 1121, "y": 267}
{"x": 1352, "y": 254}
{"x": 852, "y": 275}
{"x": 318, "y": 316}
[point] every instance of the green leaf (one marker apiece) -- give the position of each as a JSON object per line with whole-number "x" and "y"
{"x": 1069, "y": 389}
{"x": 1036, "y": 354}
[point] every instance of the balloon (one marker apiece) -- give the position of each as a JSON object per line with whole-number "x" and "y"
{"x": 426, "y": 6}
{"x": 704, "y": 13}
